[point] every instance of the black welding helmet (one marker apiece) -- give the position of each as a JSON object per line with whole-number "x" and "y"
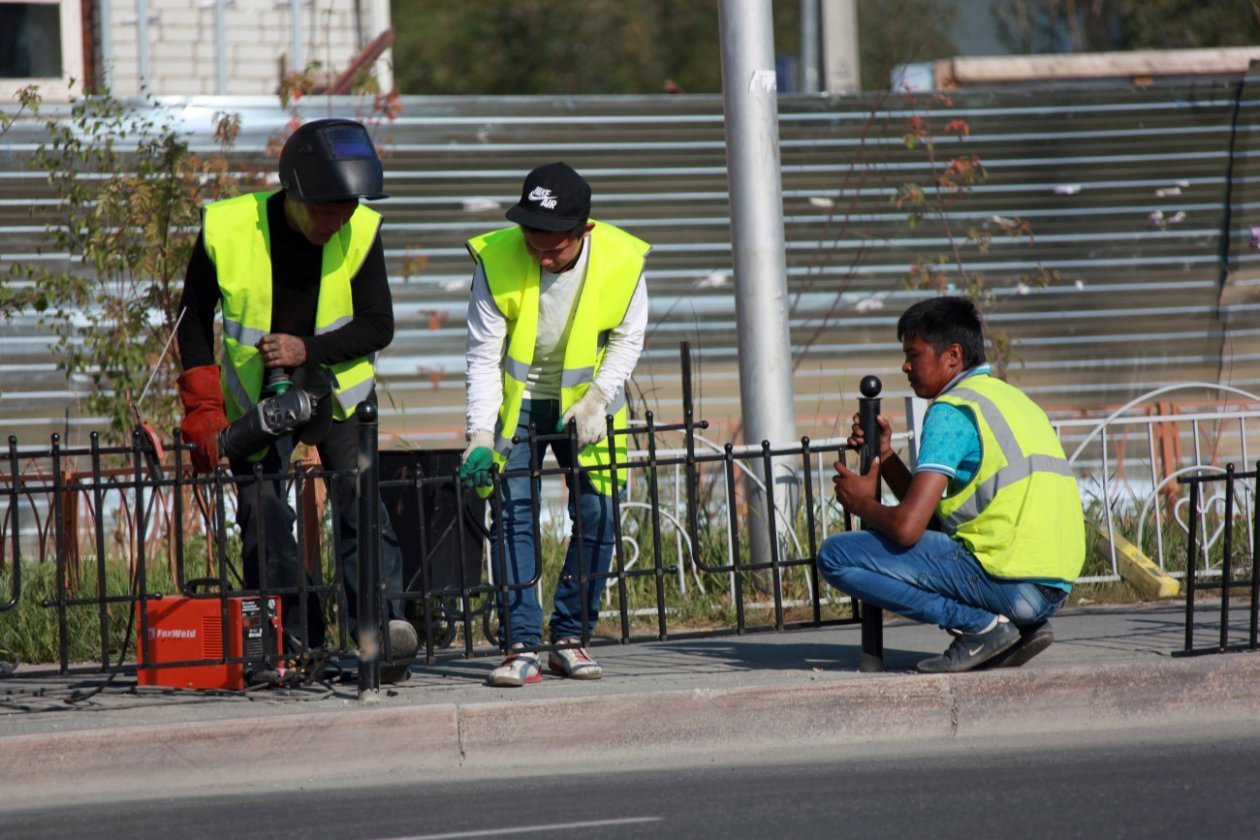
{"x": 331, "y": 160}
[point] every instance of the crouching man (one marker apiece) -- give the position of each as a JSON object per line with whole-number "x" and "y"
{"x": 993, "y": 471}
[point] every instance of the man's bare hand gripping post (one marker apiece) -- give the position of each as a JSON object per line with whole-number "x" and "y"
{"x": 903, "y": 523}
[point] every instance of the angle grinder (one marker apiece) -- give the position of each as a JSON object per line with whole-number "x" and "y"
{"x": 282, "y": 409}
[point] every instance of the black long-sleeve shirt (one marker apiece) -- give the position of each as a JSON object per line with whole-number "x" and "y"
{"x": 295, "y": 276}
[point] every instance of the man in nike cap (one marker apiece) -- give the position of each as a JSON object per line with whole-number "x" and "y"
{"x": 555, "y": 327}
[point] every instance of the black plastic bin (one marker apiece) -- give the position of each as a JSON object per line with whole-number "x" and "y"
{"x": 437, "y": 511}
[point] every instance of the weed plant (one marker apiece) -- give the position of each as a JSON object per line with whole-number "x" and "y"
{"x": 31, "y": 628}
{"x": 1168, "y": 540}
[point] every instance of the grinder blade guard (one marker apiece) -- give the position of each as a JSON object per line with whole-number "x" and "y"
{"x": 273, "y": 416}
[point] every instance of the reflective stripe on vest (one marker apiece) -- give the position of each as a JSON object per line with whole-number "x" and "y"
{"x": 1021, "y": 513}
{"x": 613, "y": 269}
{"x": 237, "y": 240}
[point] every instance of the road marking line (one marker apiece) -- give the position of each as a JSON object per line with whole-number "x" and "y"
{"x": 529, "y": 829}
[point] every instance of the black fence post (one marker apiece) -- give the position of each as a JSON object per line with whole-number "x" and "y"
{"x": 872, "y": 658}
{"x": 1255, "y": 563}
{"x": 814, "y": 577}
{"x": 14, "y": 494}
{"x": 59, "y": 547}
{"x": 772, "y": 526}
{"x": 658, "y": 548}
{"x": 99, "y": 540}
{"x": 141, "y": 520}
{"x": 369, "y": 573}
{"x": 1227, "y": 557}
{"x": 728, "y": 470}
{"x": 1192, "y": 550}
{"x": 692, "y": 471}
{"x": 618, "y": 568}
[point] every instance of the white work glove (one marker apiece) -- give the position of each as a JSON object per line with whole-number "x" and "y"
{"x": 591, "y": 416}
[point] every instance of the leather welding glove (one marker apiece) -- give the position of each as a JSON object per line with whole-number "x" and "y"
{"x": 204, "y": 418}
{"x": 591, "y": 416}
{"x": 478, "y": 458}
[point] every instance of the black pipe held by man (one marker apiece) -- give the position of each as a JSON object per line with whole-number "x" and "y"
{"x": 872, "y": 617}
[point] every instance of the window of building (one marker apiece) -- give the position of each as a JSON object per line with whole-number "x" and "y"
{"x": 41, "y": 44}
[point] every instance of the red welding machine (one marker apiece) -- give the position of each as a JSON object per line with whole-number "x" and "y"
{"x": 182, "y": 629}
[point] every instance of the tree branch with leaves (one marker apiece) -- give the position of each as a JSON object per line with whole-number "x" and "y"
{"x": 129, "y": 193}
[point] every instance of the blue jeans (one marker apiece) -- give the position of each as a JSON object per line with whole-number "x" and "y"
{"x": 937, "y": 581}
{"x": 523, "y": 564}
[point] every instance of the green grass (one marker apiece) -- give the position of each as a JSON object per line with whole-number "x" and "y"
{"x": 1174, "y": 539}
{"x": 31, "y": 630}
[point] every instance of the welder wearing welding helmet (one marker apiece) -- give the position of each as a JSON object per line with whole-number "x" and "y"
{"x": 300, "y": 277}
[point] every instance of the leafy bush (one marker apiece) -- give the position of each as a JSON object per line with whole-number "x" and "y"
{"x": 130, "y": 193}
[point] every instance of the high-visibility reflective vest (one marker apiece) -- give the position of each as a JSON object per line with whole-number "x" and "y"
{"x": 613, "y": 269}
{"x": 1020, "y": 514}
{"x": 238, "y": 242}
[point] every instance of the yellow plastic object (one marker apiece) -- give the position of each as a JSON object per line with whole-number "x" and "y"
{"x": 1137, "y": 568}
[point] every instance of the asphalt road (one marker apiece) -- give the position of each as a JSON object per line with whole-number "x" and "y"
{"x": 1198, "y": 781}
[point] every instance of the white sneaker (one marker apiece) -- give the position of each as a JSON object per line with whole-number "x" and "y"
{"x": 574, "y": 662}
{"x": 519, "y": 668}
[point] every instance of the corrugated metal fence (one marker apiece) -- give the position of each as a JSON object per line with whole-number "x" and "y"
{"x": 1128, "y": 193}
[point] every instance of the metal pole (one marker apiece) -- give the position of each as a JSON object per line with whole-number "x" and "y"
{"x": 872, "y": 658}
{"x": 1192, "y": 550}
{"x": 369, "y": 573}
{"x": 107, "y": 44}
{"x": 840, "y": 46}
{"x": 295, "y": 22}
{"x": 383, "y": 69}
{"x": 142, "y": 43}
{"x": 1227, "y": 555}
{"x": 809, "y": 46}
{"x": 761, "y": 300}
{"x": 220, "y": 46}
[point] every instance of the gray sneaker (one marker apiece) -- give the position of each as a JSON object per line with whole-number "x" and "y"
{"x": 403, "y": 644}
{"x": 970, "y": 650}
{"x": 1033, "y": 639}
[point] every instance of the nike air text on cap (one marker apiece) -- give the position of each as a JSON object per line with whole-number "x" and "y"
{"x": 553, "y": 198}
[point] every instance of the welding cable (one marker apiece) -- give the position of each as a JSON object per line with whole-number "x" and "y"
{"x": 77, "y": 696}
{"x": 204, "y": 506}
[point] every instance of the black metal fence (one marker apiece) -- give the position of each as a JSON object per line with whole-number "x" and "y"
{"x": 1234, "y": 576}
{"x": 86, "y": 511}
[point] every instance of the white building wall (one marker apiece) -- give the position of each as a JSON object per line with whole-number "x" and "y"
{"x": 183, "y": 47}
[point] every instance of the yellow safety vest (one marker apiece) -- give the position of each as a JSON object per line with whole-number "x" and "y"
{"x": 1020, "y": 514}
{"x": 613, "y": 269}
{"x": 238, "y": 242}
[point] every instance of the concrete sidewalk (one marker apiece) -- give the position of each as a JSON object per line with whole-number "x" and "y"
{"x": 1110, "y": 666}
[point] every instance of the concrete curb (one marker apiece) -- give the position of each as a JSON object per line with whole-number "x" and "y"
{"x": 441, "y": 737}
